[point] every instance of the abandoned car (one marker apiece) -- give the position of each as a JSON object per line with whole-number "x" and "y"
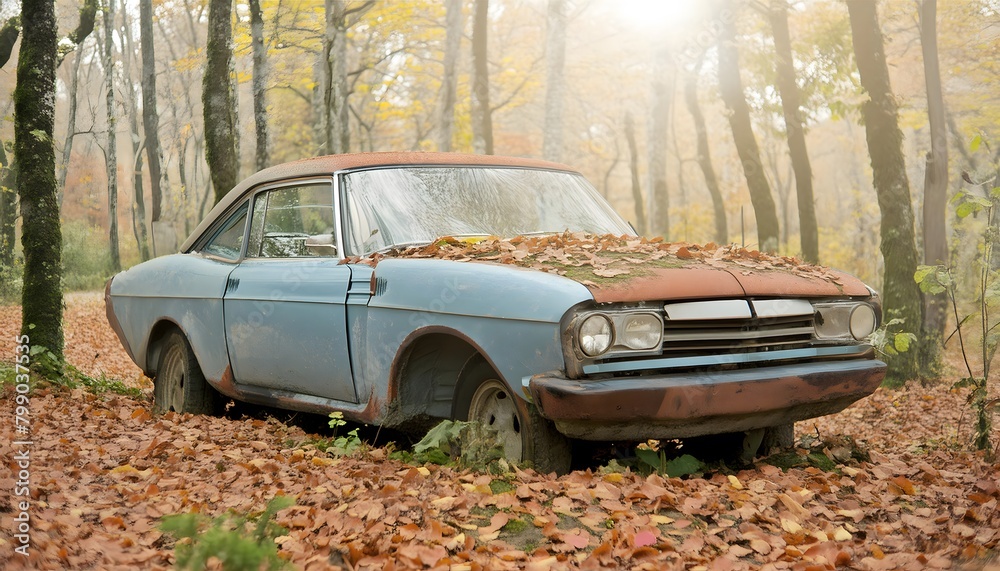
{"x": 401, "y": 288}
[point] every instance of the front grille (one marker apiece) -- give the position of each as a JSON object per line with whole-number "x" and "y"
{"x": 702, "y": 337}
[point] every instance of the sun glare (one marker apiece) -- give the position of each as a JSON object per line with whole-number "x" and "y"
{"x": 654, "y": 15}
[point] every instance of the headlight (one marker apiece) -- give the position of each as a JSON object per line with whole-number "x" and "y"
{"x": 640, "y": 332}
{"x": 596, "y": 335}
{"x": 613, "y": 333}
{"x": 844, "y": 321}
{"x": 862, "y": 321}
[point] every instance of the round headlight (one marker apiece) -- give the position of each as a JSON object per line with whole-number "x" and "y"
{"x": 596, "y": 335}
{"x": 640, "y": 332}
{"x": 862, "y": 321}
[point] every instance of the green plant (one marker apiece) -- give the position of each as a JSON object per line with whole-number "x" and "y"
{"x": 342, "y": 445}
{"x": 465, "y": 443}
{"x": 940, "y": 279}
{"x": 227, "y": 538}
{"x": 891, "y": 338}
{"x": 102, "y": 384}
{"x": 683, "y": 465}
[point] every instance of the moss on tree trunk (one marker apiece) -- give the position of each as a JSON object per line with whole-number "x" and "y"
{"x": 41, "y": 236}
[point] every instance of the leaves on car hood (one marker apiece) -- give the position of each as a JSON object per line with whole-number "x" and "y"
{"x": 605, "y": 260}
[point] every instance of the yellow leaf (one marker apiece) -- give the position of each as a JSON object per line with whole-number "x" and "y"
{"x": 841, "y": 534}
{"x": 735, "y": 482}
{"x": 614, "y": 478}
{"x": 316, "y": 461}
{"x": 660, "y": 519}
{"x": 423, "y": 471}
{"x": 790, "y": 526}
{"x": 124, "y": 469}
{"x": 794, "y": 506}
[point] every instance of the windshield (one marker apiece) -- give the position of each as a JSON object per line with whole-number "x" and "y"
{"x": 407, "y": 205}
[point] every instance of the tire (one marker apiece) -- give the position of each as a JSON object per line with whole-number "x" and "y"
{"x": 179, "y": 385}
{"x": 525, "y": 436}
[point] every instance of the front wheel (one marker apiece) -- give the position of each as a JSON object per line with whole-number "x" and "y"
{"x": 180, "y": 385}
{"x": 522, "y": 433}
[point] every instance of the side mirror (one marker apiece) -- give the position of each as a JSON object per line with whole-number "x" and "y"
{"x": 321, "y": 245}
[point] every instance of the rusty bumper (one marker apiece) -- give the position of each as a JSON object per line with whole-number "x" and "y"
{"x": 694, "y": 404}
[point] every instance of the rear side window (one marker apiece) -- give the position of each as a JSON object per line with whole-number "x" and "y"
{"x": 228, "y": 239}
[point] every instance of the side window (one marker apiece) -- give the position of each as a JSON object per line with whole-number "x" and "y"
{"x": 228, "y": 239}
{"x": 293, "y": 222}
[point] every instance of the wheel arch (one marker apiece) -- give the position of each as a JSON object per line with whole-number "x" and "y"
{"x": 154, "y": 343}
{"x": 427, "y": 371}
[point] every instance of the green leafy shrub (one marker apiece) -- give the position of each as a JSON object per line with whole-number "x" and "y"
{"x": 228, "y": 539}
{"x": 986, "y": 295}
{"x": 342, "y": 445}
{"x": 683, "y": 465}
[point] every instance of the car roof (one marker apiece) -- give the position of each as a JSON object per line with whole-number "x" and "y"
{"x": 329, "y": 164}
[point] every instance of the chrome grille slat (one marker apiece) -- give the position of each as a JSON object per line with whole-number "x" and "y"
{"x": 700, "y": 335}
{"x": 704, "y": 337}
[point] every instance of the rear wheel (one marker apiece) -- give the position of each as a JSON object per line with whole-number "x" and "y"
{"x": 180, "y": 385}
{"x": 524, "y": 435}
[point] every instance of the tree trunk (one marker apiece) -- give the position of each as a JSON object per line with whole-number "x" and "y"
{"x": 88, "y": 15}
{"x": 662, "y": 96}
{"x": 218, "y": 100}
{"x": 8, "y": 209}
{"x": 138, "y": 209}
{"x": 885, "y": 140}
{"x": 334, "y": 109}
{"x": 150, "y": 115}
{"x": 111, "y": 153}
{"x": 705, "y": 157}
{"x": 67, "y": 152}
{"x": 788, "y": 89}
{"x": 262, "y": 155}
{"x": 449, "y": 82}
{"x": 633, "y": 168}
{"x": 935, "y": 179}
{"x": 731, "y": 89}
{"x": 9, "y": 32}
{"x": 555, "y": 82}
{"x": 482, "y": 119}
{"x": 41, "y": 235}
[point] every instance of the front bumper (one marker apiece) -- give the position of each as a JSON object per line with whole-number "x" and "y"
{"x": 681, "y": 405}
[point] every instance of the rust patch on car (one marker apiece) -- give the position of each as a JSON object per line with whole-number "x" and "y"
{"x": 226, "y": 385}
{"x": 790, "y": 284}
{"x": 678, "y": 402}
{"x": 670, "y": 283}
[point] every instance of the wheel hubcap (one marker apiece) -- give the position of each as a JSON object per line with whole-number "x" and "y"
{"x": 494, "y": 408}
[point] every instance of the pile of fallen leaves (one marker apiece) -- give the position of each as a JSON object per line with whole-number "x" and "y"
{"x": 603, "y": 256}
{"x": 91, "y": 345}
{"x": 105, "y": 470}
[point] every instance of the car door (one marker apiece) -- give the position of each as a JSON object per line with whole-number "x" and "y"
{"x": 285, "y": 313}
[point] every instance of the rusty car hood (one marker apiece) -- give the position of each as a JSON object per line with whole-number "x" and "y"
{"x": 633, "y": 269}
{"x": 707, "y": 282}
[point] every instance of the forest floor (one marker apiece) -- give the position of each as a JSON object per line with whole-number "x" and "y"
{"x": 104, "y": 470}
